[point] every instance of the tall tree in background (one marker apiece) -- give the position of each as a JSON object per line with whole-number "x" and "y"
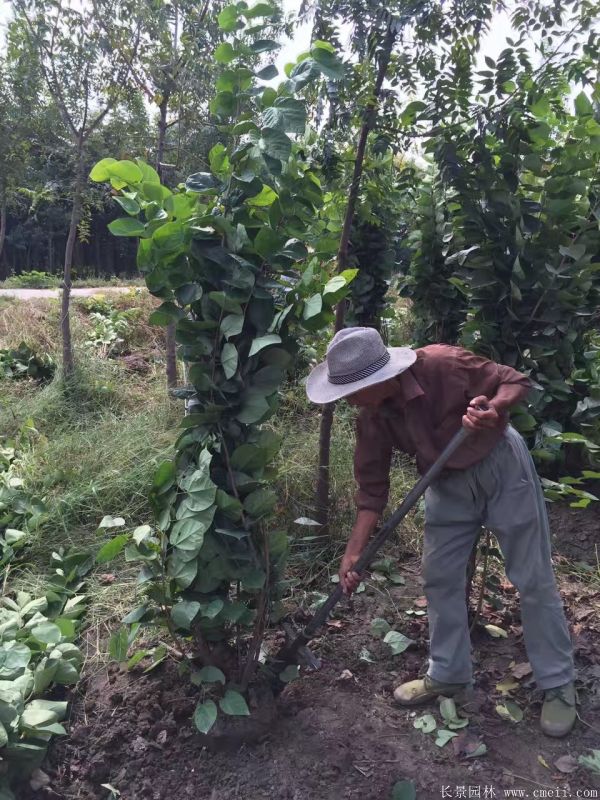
{"x": 86, "y": 80}
{"x": 404, "y": 42}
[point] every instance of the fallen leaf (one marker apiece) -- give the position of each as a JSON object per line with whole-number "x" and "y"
{"x": 420, "y": 602}
{"x": 521, "y": 670}
{"x": 162, "y": 737}
{"x": 346, "y": 675}
{"x": 404, "y": 790}
{"x": 509, "y": 711}
{"x": 365, "y": 655}
{"x": 379, "y": 627}
{"x": 425, "y": 723}
{"x": 444, "y": 736}
{"x": 507, "y": 686}
{"x": 398, "y": 579}
{"x": 468, "y": 745}
{"x": 543, "y": 762}
{"x": 107, "y": 578}
{"x": 566, "y": 764}
{"x": 496, "y": 632}
{"x": 334, "y": 623}
{"x": 398, "y": 642}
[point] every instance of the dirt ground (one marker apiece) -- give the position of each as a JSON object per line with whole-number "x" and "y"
{"x": 337, "y": 734}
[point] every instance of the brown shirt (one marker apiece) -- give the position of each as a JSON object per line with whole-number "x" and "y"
{"x": 433, "y": 394}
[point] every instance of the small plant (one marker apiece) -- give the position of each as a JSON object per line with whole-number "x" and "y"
{"x": 108, "y": 336}
{"x": 37, "y": 653}
{"x": 23, "y": 362}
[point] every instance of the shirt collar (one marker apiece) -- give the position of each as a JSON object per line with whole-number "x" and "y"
{"x": 408, "y": 388}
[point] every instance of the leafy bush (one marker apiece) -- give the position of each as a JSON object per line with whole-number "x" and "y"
{"x": 23, "y": 362}
{"x": 224, "y": 253}
{"x": 37, "y": 652}
{"x": 33, "y": 280}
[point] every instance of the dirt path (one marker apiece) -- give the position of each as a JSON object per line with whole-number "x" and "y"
{"x": 86, "y": 291}
{"x": 337, "y": 735}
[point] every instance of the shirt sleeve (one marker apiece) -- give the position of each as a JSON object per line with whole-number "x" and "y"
{"x": 484, "y": 377}
{"x": 372, "y": 459}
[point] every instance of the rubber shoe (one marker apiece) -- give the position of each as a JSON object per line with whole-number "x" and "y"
{"x": 558, "y": 711}
{"x": 416, "y": 693}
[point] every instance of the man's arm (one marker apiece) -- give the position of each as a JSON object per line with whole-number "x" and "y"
{"x": 372, "y": 458}
{"x": 366, "y": 522}
{"x": 508, "y": 395}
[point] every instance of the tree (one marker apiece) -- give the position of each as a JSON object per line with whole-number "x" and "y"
{"x": 224, "y": 253}
{"x": 86, "y": 80}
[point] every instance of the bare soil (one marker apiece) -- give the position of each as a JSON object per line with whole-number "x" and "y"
{"x": 337, "y": 734}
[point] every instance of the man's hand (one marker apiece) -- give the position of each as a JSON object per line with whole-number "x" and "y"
{"x": 348, "y": 578}
{"x": 476, "y": 419}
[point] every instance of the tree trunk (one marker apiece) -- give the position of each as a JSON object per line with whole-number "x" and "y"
{"x": 65, "y": 320}
{"x": 3, "y": 218}
{"x": 322, "y": 491}
{"x": 171, "y": 346}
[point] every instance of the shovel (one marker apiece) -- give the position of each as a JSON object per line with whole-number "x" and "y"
{"x": 296, "y": 648}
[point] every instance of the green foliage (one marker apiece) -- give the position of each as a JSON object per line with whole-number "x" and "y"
{"x": 37, "y": 653}
{"x": 227, "y": 254}
{"x": 35, "y": 279}
{"x": 19, "y": 510}
{"x": 22, "y": 362}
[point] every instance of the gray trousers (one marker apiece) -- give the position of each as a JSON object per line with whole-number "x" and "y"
{"x": 503, "y": 493}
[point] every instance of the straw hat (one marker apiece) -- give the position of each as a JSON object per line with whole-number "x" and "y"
{"x": 356, "y": 358}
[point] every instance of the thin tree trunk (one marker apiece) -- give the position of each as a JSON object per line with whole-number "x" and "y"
{"x": 171, "y": 346}
{"x": 65, "y": 320}
{"x": 3, "y": 222}
{"x": 322, "y": 491}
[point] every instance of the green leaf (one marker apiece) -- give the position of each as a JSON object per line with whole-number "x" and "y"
{"x": 327, "y": 61}
{"x": 404, "y": 790}
{"x": 229, "y": 360}
{"x": 260, "y": 502}
{"x": 265, "y": 197}
{"x": 228, "y": 18}
{"x": 290, "y": 673}
{"x": 259, "y": 10}
{"x": 509, "y": 711}
{"x": 264, "y": 45}
{"x": 379, "y": 627}
{"x": 127, "y": 226}
{"x": 125, "y": 171}
{"x": 234, "y": 704}
{"x": 232, "y": 325}
{"x": 111, "y": 549}
{"x": 263, "y": 341}
{"x": 184, "y": 612}
{"x": 444, "y": 736}
{"x": 275, "y": 143}
{"x": 267, "y": 73}
{"x": 583, "y": 105}
{"x": 254, "y": 407}
{"x": 47, "y": 632}
{"x": 188, "y": 533}
{"x": 202, "y": 182}
{"x": 286, "y": 114}
{"x": 100, "y": 171}
{"x": 312, "y": 307}
{"x": 210, "y": 675}
{"x": 425, "y": 723}
{"x": 496, "y": 632}
{"x": 118, "y": 645}
{"x": 111, "y": 522}
{"x": 397, "y": 642}
{"x": 205, "y": 716}
{"x": 591, "y": 762}
{"x": 164, "y": 477}
{"x": 225, "y": 53}
{"x": 128, "y": 205}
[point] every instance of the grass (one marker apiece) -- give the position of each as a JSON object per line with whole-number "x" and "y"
{"x": 43, "y": 280}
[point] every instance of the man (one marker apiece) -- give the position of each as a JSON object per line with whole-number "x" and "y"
{"x": 416, "y": 400}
